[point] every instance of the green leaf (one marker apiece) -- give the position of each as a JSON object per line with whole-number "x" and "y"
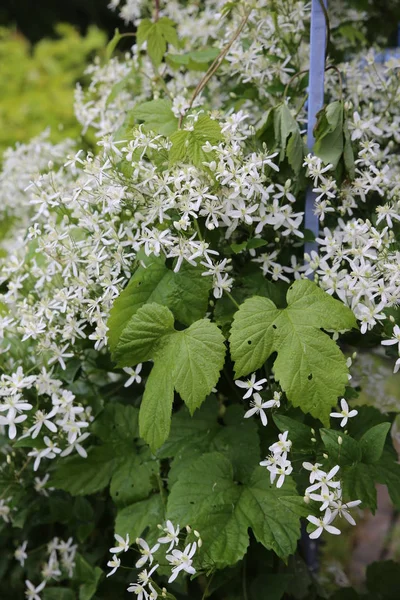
{"x": 329, "y": 137}
{"x": 139, "y": 340}
{"x": 197, "y": 60}
{"x": 157, "y": 116}
{"x": 346, "y": 453}
{"x": 359, "y": 484}
{"x": 112, "y": 44}
{"x": 81, "y": 476}
{"x": 156, "y": 408}
{"x": 88, "y": 576}
{"x": 373, "y": 441}
{"x": 387, "y": 471}
{"x": 132, "y": 480}
{"x": 348, "y": 154}
{"x": 134, "y": 519}
{"x": 310, "y": 367}
{"x": 142, "y": 32}
{"x": 299, "y": 434}
{"x": 157, "y": 35}
{"x": 185, "y": 293}
{"x": 188, "y": 360}
{"x": 207, "y": 497}
{"x": 117, "y": 424}
{"x": 58, "y": 593}
{"x": 187, "y": 146}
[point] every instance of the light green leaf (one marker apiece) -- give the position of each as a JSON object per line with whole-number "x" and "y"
{"x": 310, "y": 367}
{"x": 348, "y": 153}
{"x": 156, "y": 45}
{"x": 157, "y": 116}
{"x": 82, "y": 476}
{"x": 156, "y": 408}
{"x": 143, "y": 333}
{"x": 157, "y": 35}
{"x": 207, "y": 497}
{"x": 143, "y": 31}
{"x": 373, "y": 441}
{"x": 199, "y": 356}
{"x": 329, "y": 137}
{"x": 197, "y": 60}
{"x": 134, "y": 519}
{"x": 112, "y": 44}
{"x": 185, "y": 293}
{"x": 187, "y": 146}
{"x": 188, "y": 360}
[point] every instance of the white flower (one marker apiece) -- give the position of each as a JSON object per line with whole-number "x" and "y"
{"x": 20, "y": 554}
{"x": 342, "y": 509}
{"x": 133, "y": 375}
{"x": 114, "y": 563}
{"x": 171, "y": 537}
{"x": 11, "y": 420}
{"x": 123, "y": 544}
{"x": 182, "y": 561}
{"x": 325, "y": 482}
{"x": 146, "y": 551}
{"x": 32, "y": 592}
{"x": 5, "y": 511}
{"x": 282, "y": 467}
{"x": 251, "y": 385}
{"x": 50, "y": 452}
{"x": 42, "y": 418}
{"x": 283, "y": 446}
{"x": 322, "y": 524}
{"x": 395, "y": 339}
{"x": 316, "y": 472}
{"x": 144, "y": 576}
{"x": 258, "y": 408}
{"x": 345, "y": 414}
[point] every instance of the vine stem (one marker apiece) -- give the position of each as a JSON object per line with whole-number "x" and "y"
{"x": 215, "y": 65}
{"x": 289, "y": 83}
{"x": 157, "y": 11}
{"x": 205, "y": 594}
{"x": 231, "y": 298}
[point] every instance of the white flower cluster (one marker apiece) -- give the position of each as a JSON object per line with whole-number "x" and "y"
{"x": 65, "y": 419}
{"x": 179, "y": 560}
{"x": 328, "y": 492}
{"x": 60, "y": 564}
{"x": 277, "y": 462}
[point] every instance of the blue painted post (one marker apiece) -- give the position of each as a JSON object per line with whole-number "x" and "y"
{"x": 315, "y": 102}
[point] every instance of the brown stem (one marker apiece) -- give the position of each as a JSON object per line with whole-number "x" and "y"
{"x": 157, "y": 11}
{"x": 215, "y": 65}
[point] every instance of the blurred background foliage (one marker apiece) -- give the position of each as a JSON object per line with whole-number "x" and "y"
{"x": 38, "y": 82}
{"x": 41, "y": 60}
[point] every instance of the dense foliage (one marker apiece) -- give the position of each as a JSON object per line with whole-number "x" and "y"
{"x": 38, "y": 83}
{"x": 170, "y": 374}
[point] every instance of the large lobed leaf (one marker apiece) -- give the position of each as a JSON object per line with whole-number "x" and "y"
{"x": 207, "y": 497}
{"x": 310, "y": 367}
{"x": 188, "y": 361}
